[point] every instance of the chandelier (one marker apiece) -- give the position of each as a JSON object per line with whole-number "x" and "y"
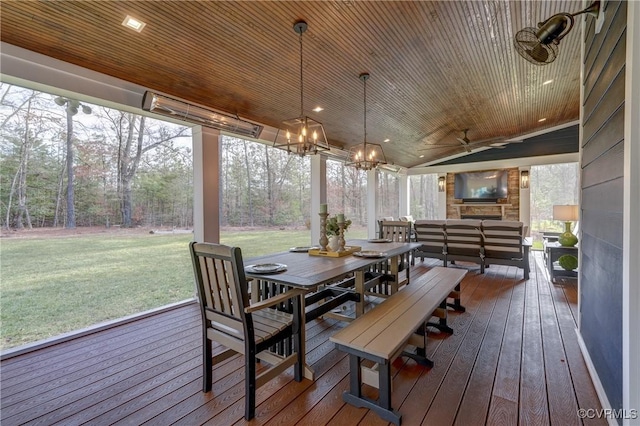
{"x": 302, "y": 135}
{"x": 366, "y": 156}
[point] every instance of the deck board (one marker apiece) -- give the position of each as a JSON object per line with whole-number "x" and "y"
{"x": 533, "y": 387}
{"x": 503, "y": 406}
{"x": 514, "y": 358}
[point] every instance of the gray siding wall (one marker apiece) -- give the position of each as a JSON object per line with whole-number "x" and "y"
{"x": 602, "y": 197}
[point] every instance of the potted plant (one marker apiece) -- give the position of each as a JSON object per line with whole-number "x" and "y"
{"x": 333, "y": 231}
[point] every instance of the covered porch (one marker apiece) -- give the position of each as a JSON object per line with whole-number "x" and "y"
{"x": 514, "y": 358}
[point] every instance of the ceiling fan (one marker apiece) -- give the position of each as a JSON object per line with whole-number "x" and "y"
{"x": 497, "y": 142}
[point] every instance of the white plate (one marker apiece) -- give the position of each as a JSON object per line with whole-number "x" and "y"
{"x": 370, "y": 253}
{"x": 266, "y": 268}
{"x": 299, "y": 249}
{"x": 379, "y": 240}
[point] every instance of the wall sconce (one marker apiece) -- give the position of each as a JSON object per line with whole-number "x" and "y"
{"x": 524, "y": 179}
{"x": 442, "y": 183}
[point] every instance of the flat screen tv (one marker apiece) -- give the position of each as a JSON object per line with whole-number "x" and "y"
{"x": 486, "y": 186}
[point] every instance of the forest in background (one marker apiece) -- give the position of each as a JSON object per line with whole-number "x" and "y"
{"x": 66, "y": 163}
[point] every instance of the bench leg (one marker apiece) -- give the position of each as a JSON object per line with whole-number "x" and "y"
{"x": 355, "y": 376}
{"x": 382, "y": 406}
{"x": 456, "y": 301}
{"x": 442, "y": 322}
{"x": 384, "y": 395}
{"x": 420, "y": 356}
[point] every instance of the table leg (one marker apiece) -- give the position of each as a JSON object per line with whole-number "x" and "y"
{"x": 395, "y": 271}
{"x": 360, "y": 290}
{"x": 307, "y": 371}
{"x": 257, "y": 288}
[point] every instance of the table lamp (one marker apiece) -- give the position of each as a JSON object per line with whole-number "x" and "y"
{"x": 567, "y": 214}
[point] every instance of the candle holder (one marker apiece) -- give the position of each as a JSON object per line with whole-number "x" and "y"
{"x": 341, "y": 241}
{"x": 323, "y": 231}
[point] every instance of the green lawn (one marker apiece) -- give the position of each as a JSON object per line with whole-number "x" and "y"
{"x": 50, "y": 286}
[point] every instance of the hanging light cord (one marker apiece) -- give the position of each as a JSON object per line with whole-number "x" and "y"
{"x": 301, "y": 81}
{"x": 364, "y": 145}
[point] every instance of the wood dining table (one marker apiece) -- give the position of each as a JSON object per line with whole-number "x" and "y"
{"x": 313, "y": 273}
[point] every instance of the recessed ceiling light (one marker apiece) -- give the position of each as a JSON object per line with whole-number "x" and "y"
{"x": 387, "y": 140}
{"x": 547, "y": 82}
{"x": 422, "y": 156}
{"x": 541, "y": 120}
{"x": 133, "y": 23}
{"x": 318, "y": 109}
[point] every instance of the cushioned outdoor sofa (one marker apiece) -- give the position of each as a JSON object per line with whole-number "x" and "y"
{"x": 485, "y": 242}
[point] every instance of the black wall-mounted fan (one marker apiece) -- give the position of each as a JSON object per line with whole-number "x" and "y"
{"x": 540, "y": 46}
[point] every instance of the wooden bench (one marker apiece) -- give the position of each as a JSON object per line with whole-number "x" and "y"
{"x": 381, "y": 335}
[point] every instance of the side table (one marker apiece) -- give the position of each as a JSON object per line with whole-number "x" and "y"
{"x": 553, "y": 251}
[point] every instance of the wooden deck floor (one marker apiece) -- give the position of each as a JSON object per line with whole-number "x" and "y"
{"x": 513, "y": 359}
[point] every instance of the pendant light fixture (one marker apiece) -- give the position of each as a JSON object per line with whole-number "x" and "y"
{"x": 366, "y": 156}
{"x": 301, "y": 135}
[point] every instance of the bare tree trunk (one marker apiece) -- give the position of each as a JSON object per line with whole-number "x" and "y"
{"x": 269, "y": 186}
{"x": 246, "y": 163}
{"x": 129, "y": 160}
{"x": 59, "y": 196}
{"x": 11, "y": 192}
{"x": 127, "y": 201}
{"x": 21, "y": 189}
{"x": 71, "y": 213}
{"x": 18, "y": 183}
{"x": 129, "y": 167}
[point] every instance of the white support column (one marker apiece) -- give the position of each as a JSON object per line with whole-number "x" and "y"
{"x": 525, "y": 197}
{"x": 403, "y": 183}
{"x": 372, "y": 203}
{"x": 206, "y": 184}
{"x": 442, "y": 199}
{"x": 631, "y": 221}
{"x": 318, "y": 193}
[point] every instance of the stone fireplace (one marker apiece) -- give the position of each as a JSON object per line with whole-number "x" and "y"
{"x": 504, "y": 209}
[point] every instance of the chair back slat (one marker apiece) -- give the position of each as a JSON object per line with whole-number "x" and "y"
{"x": 222, "y": 286}
{"x": 211, "y": 297}
{"x": 225, "y": 285}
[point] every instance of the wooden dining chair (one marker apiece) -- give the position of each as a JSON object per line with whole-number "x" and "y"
{"x": 395, "y": 230}
{"x": 249, "y": 329}
{"x": 398, "y": 231}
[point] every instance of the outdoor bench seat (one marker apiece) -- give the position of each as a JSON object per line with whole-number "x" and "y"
{"x": 381, "y": 335}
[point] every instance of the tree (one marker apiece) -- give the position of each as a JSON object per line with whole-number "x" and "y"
{"x": 133, "y": 139}
{"x": 71, "y": 109}
{"x": 24, "y": 125}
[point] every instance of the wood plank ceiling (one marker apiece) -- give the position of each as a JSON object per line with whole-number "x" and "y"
{"x": 437, "y": 67}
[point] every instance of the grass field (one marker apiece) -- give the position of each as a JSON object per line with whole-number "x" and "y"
{"x": 51, "y": 286}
